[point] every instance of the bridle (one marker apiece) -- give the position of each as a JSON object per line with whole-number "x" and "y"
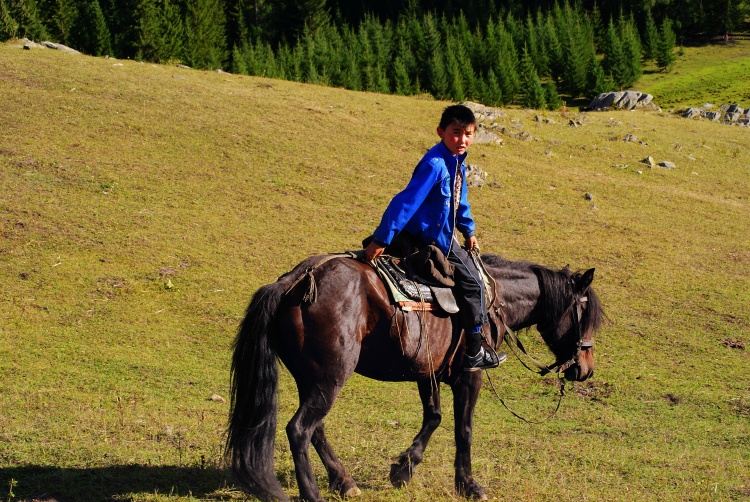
{"x": 579, "y": 301}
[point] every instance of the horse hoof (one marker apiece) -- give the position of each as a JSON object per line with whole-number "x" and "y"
{"x": 472, "y": 490}
{"x": 354, "y": 491}
{"x": 400, "y": 475}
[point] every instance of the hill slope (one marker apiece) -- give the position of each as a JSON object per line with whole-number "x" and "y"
{"x": 142, "y": 205}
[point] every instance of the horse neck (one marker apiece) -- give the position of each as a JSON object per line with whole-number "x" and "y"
{"x": 519, "y": 293}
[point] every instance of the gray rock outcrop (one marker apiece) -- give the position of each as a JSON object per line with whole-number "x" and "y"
{"x": 626, "y": 100}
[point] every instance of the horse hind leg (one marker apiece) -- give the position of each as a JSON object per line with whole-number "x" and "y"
{"x": 338, "y": 479}
{"x": 306, "y": 426}
{"x": 403, "y": 469}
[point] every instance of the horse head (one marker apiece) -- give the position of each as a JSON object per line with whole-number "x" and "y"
{"x": 571, "y": 316}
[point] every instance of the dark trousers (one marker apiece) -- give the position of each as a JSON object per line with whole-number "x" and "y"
{"x": 469, "y": 287}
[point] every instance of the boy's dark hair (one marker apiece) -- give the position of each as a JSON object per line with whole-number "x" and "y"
{"x": 457, "y": 114}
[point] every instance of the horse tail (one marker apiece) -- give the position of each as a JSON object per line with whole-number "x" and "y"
{"x": 254, "y": 384}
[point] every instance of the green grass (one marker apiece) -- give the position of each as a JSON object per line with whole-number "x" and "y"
{"x": 142, "y": 205}
{"x": 715, "y": 74}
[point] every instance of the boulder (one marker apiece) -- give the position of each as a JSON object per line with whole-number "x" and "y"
{"x": 627, "y": 100}
{"x": 691, "y": 113}
{"x": 59, "y": 47}
{"x": 484, "y": 136}
{"x": 483, "y": 112}
{"x": 667, "y": 165}
{"x": 649, "y": 161}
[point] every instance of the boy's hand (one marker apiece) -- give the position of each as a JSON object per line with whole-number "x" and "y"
{"x": 471, "y": 242}
{"x": 372, "y": 251}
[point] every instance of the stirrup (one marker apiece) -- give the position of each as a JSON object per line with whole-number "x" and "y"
{"x": 484, "y": 359}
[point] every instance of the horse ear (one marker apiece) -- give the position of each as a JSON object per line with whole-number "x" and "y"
{"x": 585, "y": 281}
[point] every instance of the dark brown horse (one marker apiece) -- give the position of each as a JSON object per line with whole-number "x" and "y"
{"x": 350, "y": 326}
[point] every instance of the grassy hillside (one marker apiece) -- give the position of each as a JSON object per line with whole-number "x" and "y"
{"x": 715, "y": 74}
{"x": 142, "y": 205}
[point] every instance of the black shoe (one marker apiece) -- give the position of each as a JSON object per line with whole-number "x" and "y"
{"x": 485, "y": 359}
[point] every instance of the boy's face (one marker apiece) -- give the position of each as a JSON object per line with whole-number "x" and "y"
{"x": 456, "y": 137}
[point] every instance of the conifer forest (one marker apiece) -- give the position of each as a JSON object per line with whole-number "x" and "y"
{"x": 493, "y": 51}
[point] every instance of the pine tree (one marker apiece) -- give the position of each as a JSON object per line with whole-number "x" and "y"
{"x": 576, "y": 64}
{"x": 506, "y": 64}
{"x": 531, "y": 86}
{"x": 631, "y": 50}
{"x": 614, "y": 61}
{"x": 238, "y": 65}
{"x": 438, "y": 79}
{"x": 8, "y": 25}
{"x": 456, "y": 90}
{"x": 89, "y": 33}
{"x": 205, "y": 24}
{"x": 26, "y": 14}
{"x": 554, "y": 49}
{"x": 60, "y": 16}
{"x": 551, "y": 95}
{"x": 650, "y": 37}
{"x": 401, "y": 80}
{"x": 493, "y": 94}
{"x": 597, "y": 81}
{"x": 665, "y": 57}
{"x": 597, "y": 25}
{"x": 148, "y": 32}
{"x": 172, "y": 32}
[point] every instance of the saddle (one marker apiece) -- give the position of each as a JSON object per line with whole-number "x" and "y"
{"x": 411, "y": 292}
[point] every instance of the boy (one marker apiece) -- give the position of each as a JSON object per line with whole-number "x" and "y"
{"x": 432, "y": 207}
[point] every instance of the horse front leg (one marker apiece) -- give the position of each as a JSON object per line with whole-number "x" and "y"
{"x": 403, "y": 469}
{"x": 465, "y": 395}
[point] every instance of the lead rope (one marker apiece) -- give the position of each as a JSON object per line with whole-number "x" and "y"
{"x": 559, "y": 401}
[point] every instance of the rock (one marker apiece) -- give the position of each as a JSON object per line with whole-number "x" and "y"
{"x": 735, "y": 108}
{"x": 707, "y": 106}
{"x": 744, "y": 121}
{"x": 523, "y": 136}
{"x": 667, "y": 165}
{"x": 483, "y": 112}
{"x": 732, "y": 117}
{"x": 59, "y": 47}
{"x": 628, "y": 100}
{"x": 649, "y": 161}
{"x": 631, "y": 138}
{"x": 588, "y": 196}
{"x": 714, "y": 116}
{"x": 475, "y": 176}
{"x": 482, "y": 136}
{"x": 691, "y": 113}
{"x": 575, "y": 123}
{"x": 217, "y": 398}
{"x": 184, "y": 67}
{"x": 549, "y": 121}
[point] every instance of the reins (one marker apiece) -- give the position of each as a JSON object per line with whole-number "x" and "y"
{"x": 511, "y": 339}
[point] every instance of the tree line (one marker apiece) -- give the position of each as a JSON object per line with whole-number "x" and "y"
{"x": 498, "y": 55}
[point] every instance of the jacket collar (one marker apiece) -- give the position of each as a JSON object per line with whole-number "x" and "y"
{"x": 447, "y": 154}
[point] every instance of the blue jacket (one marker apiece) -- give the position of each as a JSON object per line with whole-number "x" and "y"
{"x": 425, "y": 207}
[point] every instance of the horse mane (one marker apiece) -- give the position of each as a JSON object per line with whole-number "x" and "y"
{"x": 558, "y": 291}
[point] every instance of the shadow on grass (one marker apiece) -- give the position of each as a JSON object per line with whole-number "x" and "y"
{"x": 109, "y": 483}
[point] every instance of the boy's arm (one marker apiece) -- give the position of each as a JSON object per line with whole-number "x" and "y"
{"x": 403, "y": 206}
